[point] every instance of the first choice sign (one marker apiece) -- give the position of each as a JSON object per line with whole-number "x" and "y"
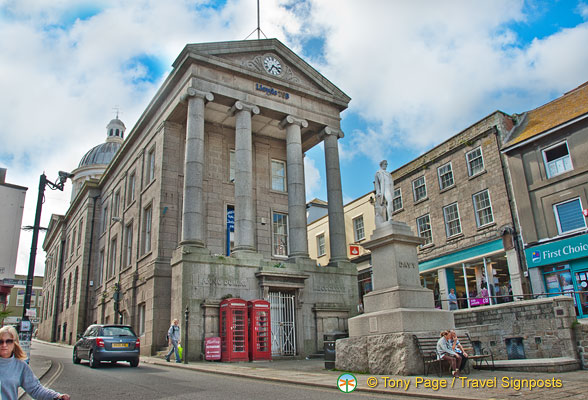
{"x": 557, "y": 252}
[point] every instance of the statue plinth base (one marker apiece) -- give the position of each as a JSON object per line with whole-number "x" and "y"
{"x": 398, "y": 308}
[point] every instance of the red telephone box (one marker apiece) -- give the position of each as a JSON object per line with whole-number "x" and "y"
{"x": 233, "y": 330}
{"x": 260, "y": 332}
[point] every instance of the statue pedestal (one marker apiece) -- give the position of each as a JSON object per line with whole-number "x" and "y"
{"x": 397, "y": 308}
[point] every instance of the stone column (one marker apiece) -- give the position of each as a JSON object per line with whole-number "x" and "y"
{"x": 193, "y": 218}
{"x": 338, "y": 240}
{"x": 296, "y": 191}
{"x": 514, "y": 270}
{"x": 244, "y": 210}
{"x": 443, "y": 288}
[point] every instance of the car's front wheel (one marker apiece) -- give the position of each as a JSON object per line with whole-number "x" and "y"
{"x": 93, "y": 362}
{"x": 76, "y": 359}
{"x": 134, "y": 363}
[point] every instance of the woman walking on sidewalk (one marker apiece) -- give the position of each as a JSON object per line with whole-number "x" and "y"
{"x": 15, "y": 373}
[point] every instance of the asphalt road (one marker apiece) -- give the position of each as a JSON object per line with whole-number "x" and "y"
{"x": 149, "y": 381}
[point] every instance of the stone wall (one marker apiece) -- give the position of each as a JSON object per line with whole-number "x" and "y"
{"x": 581, "y": 334}
{"x": 545, "y": 326}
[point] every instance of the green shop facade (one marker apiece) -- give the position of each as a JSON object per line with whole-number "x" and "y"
{"x": 561, "y": 267}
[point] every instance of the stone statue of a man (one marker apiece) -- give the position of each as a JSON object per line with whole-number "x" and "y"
{"x": 384, "y": 185}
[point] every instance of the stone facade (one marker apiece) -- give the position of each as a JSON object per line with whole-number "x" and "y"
{"x": 222, "y": 133}
{"x": 581, "y": 335}
{"x": 545, "y": 326}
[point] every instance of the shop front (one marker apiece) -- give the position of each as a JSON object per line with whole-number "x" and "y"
{"x": 479, "y": 275}
{"x": 561, "y": 268}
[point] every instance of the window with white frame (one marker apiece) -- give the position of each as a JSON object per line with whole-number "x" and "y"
{"x": 112, "y": 264}
{"x": 104, "y": 218}
{"x": 100, "y": 267}
{"x": 419, "y": 188}
{"x": 445, "y": 173}
{"x": 452, "y": 222}
{"x": 151, "y": 165}
{"x": 73, "y": 243}
{"x": 568, "y": 215}
{"x": 74, "y": 295}
{"x": 128, "y": 244}
{"x": 80, "y": 226}
{"x": 147, "y": 217}
{"x": 557, "y": 159}
{"x": 397, "y": 200}
{"x": 358, "y": 229}
{"x": 232, "y": 166}
{"x": 321, "y": 248}
{"x": 424, "y": 229}
{"x": 280, "y": 234}
{"x": 141, "y": 309}
{"x": 20, "y": 295}
{"x": 483, "y": 208}
{"x": 278, "y": 175}
{"x": 475, "y": 161}
{"x": 131, "y": 187}
{"x": 116, "y": 204}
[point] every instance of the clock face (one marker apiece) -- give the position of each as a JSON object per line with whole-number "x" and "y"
{"x": 272, "y": 65}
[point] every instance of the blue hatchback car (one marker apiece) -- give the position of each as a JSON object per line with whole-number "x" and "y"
{"x": 107, "y": 343}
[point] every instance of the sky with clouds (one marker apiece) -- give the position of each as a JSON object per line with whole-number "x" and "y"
{"x": 418, "y": 72}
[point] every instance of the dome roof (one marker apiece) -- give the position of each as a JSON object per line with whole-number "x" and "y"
{"x": 101, "y": 154}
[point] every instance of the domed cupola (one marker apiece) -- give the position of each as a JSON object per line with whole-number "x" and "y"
{"x": 94, "y": 162}
{"x": 115, "y": 129}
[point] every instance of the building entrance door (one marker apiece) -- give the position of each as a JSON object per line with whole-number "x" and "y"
{"x": 582, "y": 296}
{"x": 282, "y": 315}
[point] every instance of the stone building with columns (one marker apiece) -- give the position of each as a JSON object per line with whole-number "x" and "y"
{"x": 205, "y": 200}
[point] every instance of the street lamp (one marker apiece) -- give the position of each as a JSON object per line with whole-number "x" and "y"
{"x": 58, "y": 185}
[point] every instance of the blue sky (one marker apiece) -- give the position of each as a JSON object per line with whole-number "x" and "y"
{"x": 418, "y": 72}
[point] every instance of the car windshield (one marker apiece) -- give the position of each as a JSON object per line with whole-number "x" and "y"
{"x": 117, "y": 331}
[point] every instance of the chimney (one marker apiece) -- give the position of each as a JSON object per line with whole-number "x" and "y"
{"x": 2, "y": 175}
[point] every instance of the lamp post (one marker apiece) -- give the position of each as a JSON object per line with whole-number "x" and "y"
{"x": 58, "y": 185}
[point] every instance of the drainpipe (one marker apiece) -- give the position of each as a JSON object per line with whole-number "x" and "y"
{"x": 88, "y": 296}
{"x": 54, "y": 337}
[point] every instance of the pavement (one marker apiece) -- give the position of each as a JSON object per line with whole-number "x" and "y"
{"x": 479, "y": 384}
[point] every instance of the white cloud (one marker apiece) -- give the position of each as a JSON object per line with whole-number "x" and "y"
{"x": 312, "y": 179}
{"x": 418, "y": 72}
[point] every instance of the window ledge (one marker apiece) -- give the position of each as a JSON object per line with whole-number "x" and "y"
{"x": 278, "y": 191}
{"x": 448, "y": 188}
{"x": 478, "y": 174}
{"x": 421, "y": 200}
{"x": 144, "y": 256}
{"x": 427, "y": 246}
{"x": 398, "y": 211}
{"x": 491, "y": 224}
{"x": 125, "y": 269}
{"x": 148, "y": 186}
{"x": 129, "y": 205}
{"x": 455, "y": 237}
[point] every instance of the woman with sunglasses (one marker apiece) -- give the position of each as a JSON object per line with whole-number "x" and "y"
{"x": 15, "y": 373}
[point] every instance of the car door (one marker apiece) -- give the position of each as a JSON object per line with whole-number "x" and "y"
{"x": 87, "y": 341}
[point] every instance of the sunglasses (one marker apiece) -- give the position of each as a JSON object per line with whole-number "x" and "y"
{"x": 7, "y": 341}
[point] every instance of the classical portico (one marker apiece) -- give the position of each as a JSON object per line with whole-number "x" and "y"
{"x": 246, "y": 133}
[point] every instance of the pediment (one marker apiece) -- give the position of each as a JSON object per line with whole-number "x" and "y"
{"x": 247, "y": 57}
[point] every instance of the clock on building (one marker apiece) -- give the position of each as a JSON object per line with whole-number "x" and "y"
{"x": 272, "y": 65}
